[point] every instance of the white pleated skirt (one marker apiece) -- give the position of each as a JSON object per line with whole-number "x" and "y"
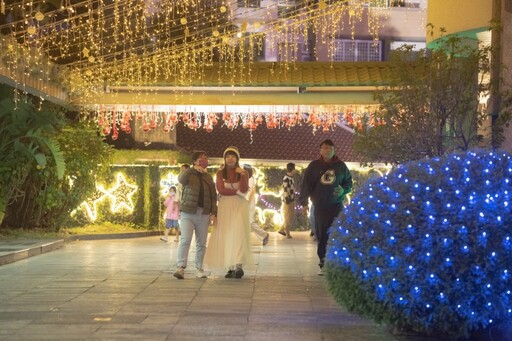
{"x": 230, "y": 240}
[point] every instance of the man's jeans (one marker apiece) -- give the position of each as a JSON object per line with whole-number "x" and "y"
{"x": 190, "y": 223}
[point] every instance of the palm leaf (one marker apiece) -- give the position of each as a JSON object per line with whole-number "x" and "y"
{"x": 40, "y": 159}
{"x": 58, "y": 157}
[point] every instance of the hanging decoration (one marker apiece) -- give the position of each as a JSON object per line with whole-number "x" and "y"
{"x": 152, "y": 42}
{"x": 114, "y": 118}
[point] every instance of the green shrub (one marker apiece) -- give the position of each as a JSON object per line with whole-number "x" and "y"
{"x": 428, "y": 247}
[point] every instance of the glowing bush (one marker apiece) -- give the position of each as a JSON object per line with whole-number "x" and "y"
{"x": 428, "y": 247}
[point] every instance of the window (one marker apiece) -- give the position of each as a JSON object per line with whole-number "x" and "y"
{"x": 287, "y": 52}
{"x": 249, "y": 3}
{"x": 284, "y": 12}
{"x": 405, "y": 3}
{"x": 347, "y": 50}
{"x": 388, "y": 3}
{"x": 286, "y": 3}
{"x": 417, "y": 48}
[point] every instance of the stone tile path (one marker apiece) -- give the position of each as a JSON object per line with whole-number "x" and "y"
{"x": 123, "y": 289}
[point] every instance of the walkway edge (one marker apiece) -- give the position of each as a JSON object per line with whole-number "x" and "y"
{"x": 31, "y": 251}
{"x": 47, "y": 246}
{"x": 112, "y": 236}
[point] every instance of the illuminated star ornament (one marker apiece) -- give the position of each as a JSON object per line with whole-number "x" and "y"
{"x": 90, "y": 205}
{"x": 121, "y": 194}
{"x": 165, "y": 183}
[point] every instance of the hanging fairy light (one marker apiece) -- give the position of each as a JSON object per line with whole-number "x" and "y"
{"x": 165, "y": 41}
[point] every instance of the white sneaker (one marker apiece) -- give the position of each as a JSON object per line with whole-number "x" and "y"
{"x": 320, "y": 272}
{"x": 200, "y": 273}
{"x": 163, "y": 239}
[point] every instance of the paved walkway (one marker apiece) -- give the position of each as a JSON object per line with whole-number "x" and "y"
{"x": 122, "y": 289}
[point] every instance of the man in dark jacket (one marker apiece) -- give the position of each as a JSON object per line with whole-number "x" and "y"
{"x": 198, "y": 207}
{"x": 326, "y": 181}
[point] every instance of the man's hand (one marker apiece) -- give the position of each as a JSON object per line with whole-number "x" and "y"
{"x": 338, "y": 191}
{"x": 305, "y": 210}
{"x": 199, "y": 169}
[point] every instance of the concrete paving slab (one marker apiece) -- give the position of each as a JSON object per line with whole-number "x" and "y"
{"x": 123, "y": 289}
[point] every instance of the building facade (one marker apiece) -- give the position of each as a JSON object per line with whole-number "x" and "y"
{"x": 474, "y": 22}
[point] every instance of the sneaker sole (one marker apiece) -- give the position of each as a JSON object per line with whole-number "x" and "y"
{"x": 178, "y": 276}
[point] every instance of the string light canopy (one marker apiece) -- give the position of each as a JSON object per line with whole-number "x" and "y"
{"x": 88, "y": 46}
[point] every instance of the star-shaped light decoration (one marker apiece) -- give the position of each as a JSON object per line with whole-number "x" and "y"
{"x": 166, "y": 182}
{"x": 90, "y": 205}
{"x": 121, "y": 194}
{"x": 263, "y": 205}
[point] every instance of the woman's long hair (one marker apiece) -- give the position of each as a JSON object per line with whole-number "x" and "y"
{"x": 225, "y": 169}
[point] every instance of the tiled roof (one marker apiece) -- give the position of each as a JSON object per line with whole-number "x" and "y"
{"x": 302, "y": 74}
{"x": 298, "y": 143}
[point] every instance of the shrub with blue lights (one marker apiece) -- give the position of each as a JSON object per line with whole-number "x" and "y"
{"x": 428, "y": 247}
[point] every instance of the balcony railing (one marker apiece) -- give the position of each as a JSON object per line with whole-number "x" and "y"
{"x": 394, "y": 3}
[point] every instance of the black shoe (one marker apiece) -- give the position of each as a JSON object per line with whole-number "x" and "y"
{"x": 239, "y": 273}
{"x": 265, "y": 240}
{"x": 230, "y": 274}
{"x": 281, "y": 232}
{"x": 311, "y": 234}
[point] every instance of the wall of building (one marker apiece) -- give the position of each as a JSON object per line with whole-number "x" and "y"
{"x": 458, "y": 15}
{"x": 399, "y": 23}
{"x": 404, "y": 24}
{"x": 396, "y": 24}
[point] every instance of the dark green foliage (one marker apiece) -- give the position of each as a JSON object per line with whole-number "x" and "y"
{"x": 351, "y": 295}
{"x": 27, "y": 145}
{"x": 48, "y": 199}
{"x": 47, "y": 165}
{"x": 154, "y": 190}
{"x": 431, "y": 106}
{"x": 503, "y": 120}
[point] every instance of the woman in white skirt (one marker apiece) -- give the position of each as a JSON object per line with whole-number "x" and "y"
{"x": 230, "y": 242}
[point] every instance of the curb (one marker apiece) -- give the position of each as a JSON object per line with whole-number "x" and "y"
{"x": 31, "y": 251}
{"x": 112, "y": 236}
{"x": 43, "y": 247}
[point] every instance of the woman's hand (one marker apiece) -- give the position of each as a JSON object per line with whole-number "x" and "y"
{"x": 240, "y": 170}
